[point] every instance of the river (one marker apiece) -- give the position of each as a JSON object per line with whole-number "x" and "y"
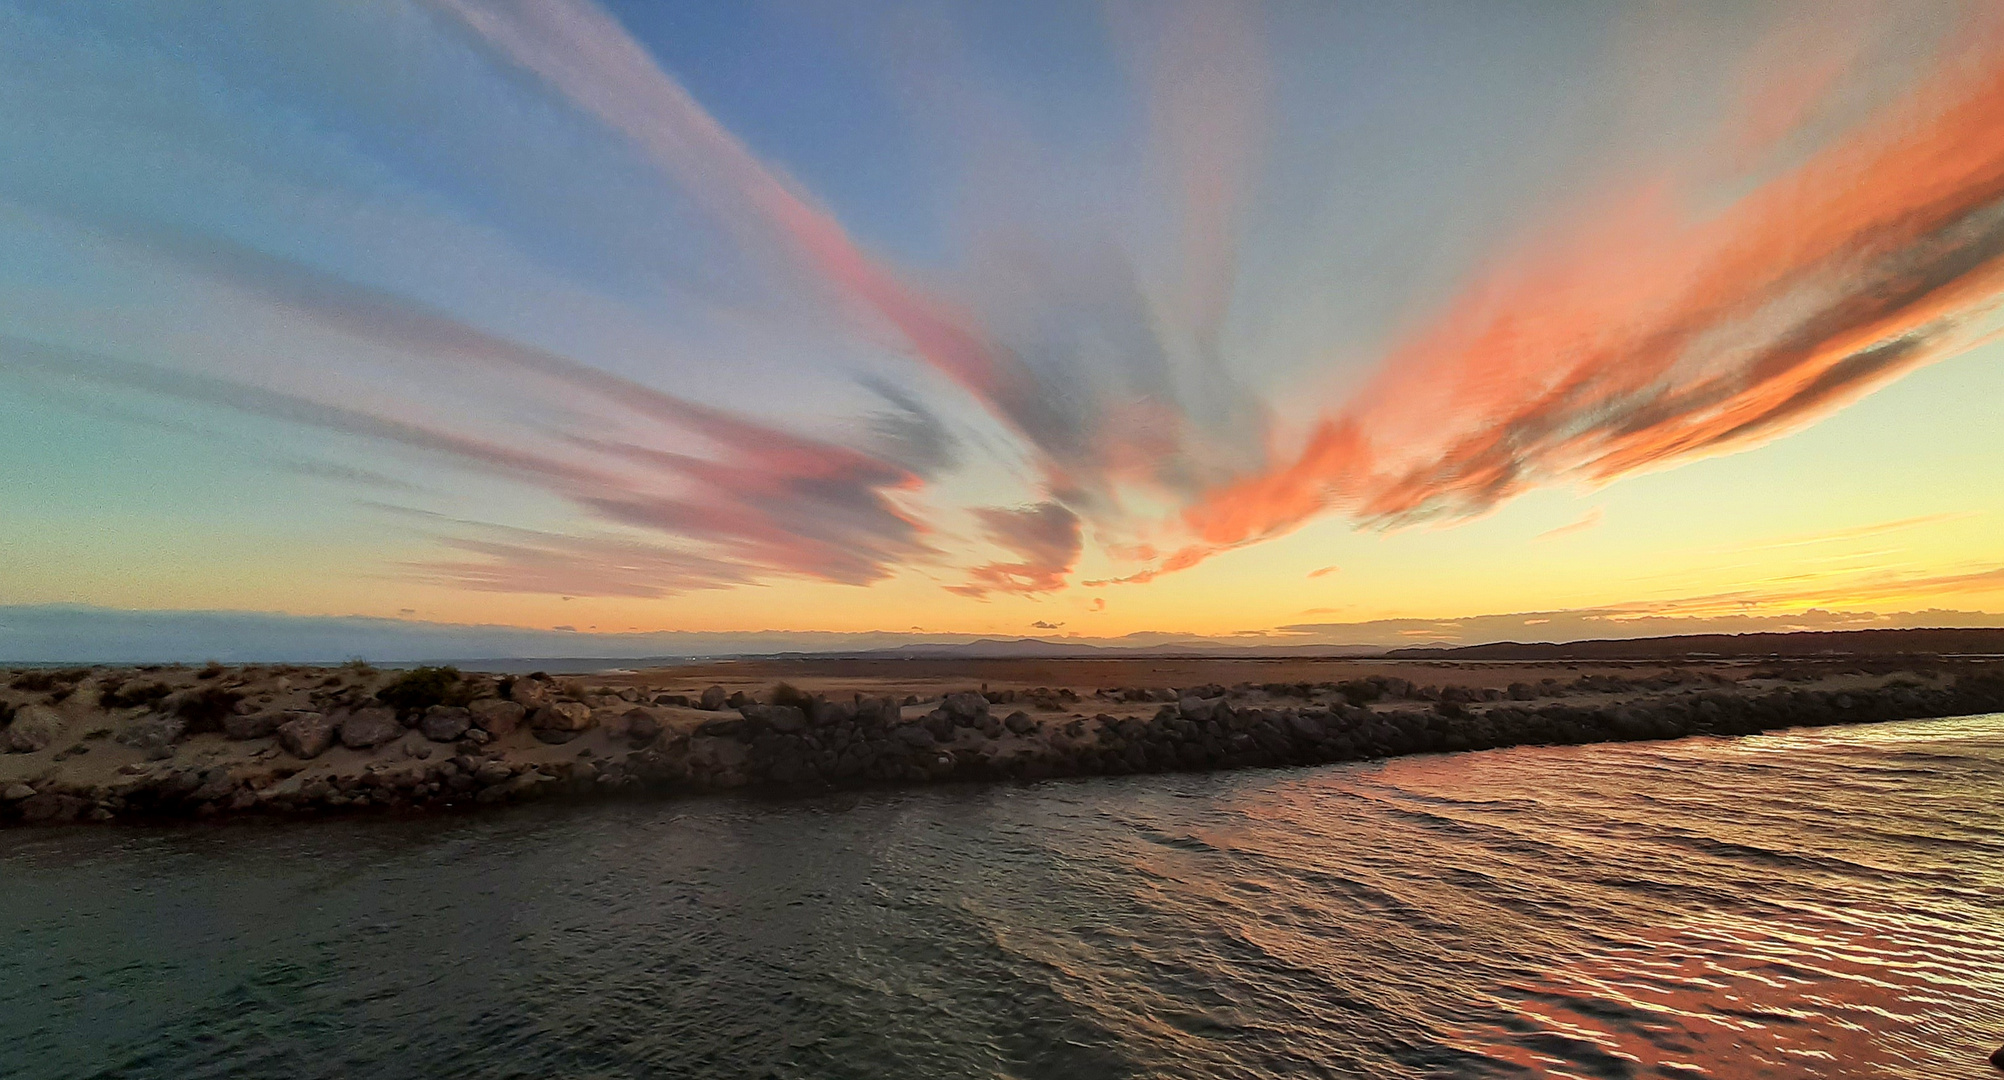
{"x": 1823, "y": 902}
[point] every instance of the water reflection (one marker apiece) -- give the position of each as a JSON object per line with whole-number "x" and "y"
{"x": 1823, "y": 903}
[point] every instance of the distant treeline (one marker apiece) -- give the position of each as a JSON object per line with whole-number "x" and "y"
{"x": 1808, "y": 643}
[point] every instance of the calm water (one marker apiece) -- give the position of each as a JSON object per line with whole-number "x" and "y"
{"x": 1827, "y": 903}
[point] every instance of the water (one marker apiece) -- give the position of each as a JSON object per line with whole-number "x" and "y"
{"x": 1824, "y": 903}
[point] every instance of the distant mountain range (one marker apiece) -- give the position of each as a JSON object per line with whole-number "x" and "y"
{"x": 1037, "y": 648}
{"x": 1956, "y": 641}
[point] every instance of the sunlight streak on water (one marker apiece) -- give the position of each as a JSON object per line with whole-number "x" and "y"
{"x": 1820, "y": 903}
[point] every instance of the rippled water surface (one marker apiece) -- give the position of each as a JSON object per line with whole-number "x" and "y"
{"x": 1822, "y": 903}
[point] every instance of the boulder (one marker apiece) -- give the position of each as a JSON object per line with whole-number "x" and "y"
{"x": 307, "y": 734}
{"x": 33, "y": 729}
{"x": 723, "y": 727}
{"x": 252, "y": 726}
{"x": 1019, "y": 722}
{"x": 16, "y": 792}
{"x": 51, "y": 807}
{"x": 444, "y": 723}
{"x": 562, "y": 716}
{"x": 531, "y": 694}
{"x": 784, "y": 719}
{"x": 964, "y": 709}
{"x": 497, "y": 717}
{"x": 641, "y": 727}
{"x": 1196, "y": 709}
{"x": 1997, "y": 1057}
{"x": 492, "y": 772}
{"x": 712, "y": 699}
{"x": 215, "y": 784}
{"x": 155, "y": 736}
{"x": 366, "y": 729}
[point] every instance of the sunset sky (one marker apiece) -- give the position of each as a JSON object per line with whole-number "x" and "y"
{"x": 1291, "y": 322}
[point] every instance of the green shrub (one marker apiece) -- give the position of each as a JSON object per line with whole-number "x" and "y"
{"x": 421, "y": 688}
{"x": 133, "y": 693}
{"x": 204, "y": 709}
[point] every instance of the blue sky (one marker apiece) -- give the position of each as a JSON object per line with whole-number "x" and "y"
{"x": 972, "y": 317}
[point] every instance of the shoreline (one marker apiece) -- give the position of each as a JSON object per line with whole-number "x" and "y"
{"x": 131, "y": 744}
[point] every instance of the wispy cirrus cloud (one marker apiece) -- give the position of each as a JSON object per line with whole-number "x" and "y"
{"x": 1647, "y": 332}
{"x": 1046, "y": 539}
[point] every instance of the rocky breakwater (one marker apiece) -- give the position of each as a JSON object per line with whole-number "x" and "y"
{"x": 807, "y": 742}
{"x": 112, "y": 744}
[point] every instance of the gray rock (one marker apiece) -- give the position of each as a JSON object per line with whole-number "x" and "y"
{"x": 562, "y": 716}
{"x": 1196, "y": 709}
{"x": 216, "y": 784}
{"x": 492, "y": 772}
{"x": 712, "y": 699}
{"x": 497, "y": 717}
{"x": 531, "y": 694}
{"x": 445, "y": 724}
{"x": 964, "y": 708}
{"x": 252, "y": 726}
{"x": 307, "y": 734}
{"x": 17, "y": 792}
{"x": 33, "y": 729}
{"x": 366, "y": 729}
{"x": 641, "y": 728}
{"x": 915, "y": 736}
{"x": 784, "y": 719}
{"x": 1019, "y": 722}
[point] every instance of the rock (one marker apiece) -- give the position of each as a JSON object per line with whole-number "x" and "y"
{"x": 366, "y": 729}
{"x": 307, "y": 735}
{"x": 556, "y": 736}
{"x": 216, "y": 784}
{"x": 641, "y": 728}
{"x": 713, "y": 699}
{"x": 33, "y": 729}
{"x": 1196, "y": 709}
{"x": 493, "y": 772}
{"x": 497, "y": 717}
{"x": 723, "y": 727}
{"x": 915, "y": 736}
{"x": 784, "y": 719}
{"x": 444, "y": 724}
{"x": 1997, "y": 1057}
{"x": 531, "y": 694}
{"x": 17, "y": 792}
{"x": 252, "y": 726}
{"x": 1019, "y": 722}
{"x": 155, "y": 736}
{"x": 51, "y": 807}
{"x": 964, "y": 709}
{"x": 562, "y": 716}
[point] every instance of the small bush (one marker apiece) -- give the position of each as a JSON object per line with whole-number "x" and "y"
{"x": 210, "y": 670}
{"x": 204, "y": 709}
{"x": 421, "y": 688}
{"x": 34, "y": 681}
{"x": 359, "y": 667}
{"x": 786, "y": 694}
{"x": 133, "y": 693}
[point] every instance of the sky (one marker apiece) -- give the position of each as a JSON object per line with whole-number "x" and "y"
{"x": 1289, "y": 322}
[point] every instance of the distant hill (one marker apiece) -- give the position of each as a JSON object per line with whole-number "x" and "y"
{"x": 1808, "y": 643}
{"x": 1037, "y": 648}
